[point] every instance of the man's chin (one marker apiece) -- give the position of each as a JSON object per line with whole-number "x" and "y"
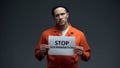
{"x": 61, "y": 24}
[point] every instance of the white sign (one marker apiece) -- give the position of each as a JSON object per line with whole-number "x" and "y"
{"x": 61, "y": 45}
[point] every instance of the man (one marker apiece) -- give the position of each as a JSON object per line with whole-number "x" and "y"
{"x": 63, "y": 28}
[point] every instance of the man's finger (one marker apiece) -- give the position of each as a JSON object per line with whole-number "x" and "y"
{"x": 47, "y": 46}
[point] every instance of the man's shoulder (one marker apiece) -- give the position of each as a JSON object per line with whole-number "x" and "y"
{"x": 49, "y": 30}
{"x": 76, "y": 29}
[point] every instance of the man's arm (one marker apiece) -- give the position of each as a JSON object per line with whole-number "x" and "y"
{"x": 86, "y": 52}
{"x": 41, "y": 49}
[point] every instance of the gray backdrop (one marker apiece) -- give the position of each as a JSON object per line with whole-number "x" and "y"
{"x": 22, "y": 21}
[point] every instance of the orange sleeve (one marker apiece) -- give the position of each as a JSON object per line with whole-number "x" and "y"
{"x": 37, "y": 49}
{"x": 87, "y": 51}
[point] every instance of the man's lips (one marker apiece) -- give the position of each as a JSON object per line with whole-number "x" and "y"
{"x": 61, "y": 20}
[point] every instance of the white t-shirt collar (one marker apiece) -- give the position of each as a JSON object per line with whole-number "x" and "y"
{"x": 65, "y": 31}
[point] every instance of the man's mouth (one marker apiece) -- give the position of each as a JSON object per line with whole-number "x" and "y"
{"x": 60, "y": 20}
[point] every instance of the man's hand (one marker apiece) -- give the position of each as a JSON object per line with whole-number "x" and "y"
{"x": 79, "y": 50}
{"x": 44, "y": 48}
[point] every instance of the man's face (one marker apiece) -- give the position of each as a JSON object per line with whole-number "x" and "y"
{"x": 61, "y": 16}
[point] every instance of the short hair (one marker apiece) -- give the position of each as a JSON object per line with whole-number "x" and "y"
{"x": 57, "y": 7}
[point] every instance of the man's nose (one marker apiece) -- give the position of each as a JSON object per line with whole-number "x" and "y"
{"x": 60, "y": 16}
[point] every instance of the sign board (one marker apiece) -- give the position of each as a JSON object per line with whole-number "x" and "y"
{"x": 61, "y": 45}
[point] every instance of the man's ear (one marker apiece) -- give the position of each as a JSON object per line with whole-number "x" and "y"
{"x": 67, "y": 14}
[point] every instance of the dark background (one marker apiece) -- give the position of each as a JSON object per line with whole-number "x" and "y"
{"x": 22, "y": 21}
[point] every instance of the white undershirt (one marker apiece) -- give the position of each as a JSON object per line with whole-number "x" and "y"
{"x": 65, "y": 31}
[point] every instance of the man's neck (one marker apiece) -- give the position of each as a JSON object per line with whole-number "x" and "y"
{"x": 63, "y": 27}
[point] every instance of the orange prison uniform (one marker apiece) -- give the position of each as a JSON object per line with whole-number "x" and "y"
{"x": 58, "y": 61}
